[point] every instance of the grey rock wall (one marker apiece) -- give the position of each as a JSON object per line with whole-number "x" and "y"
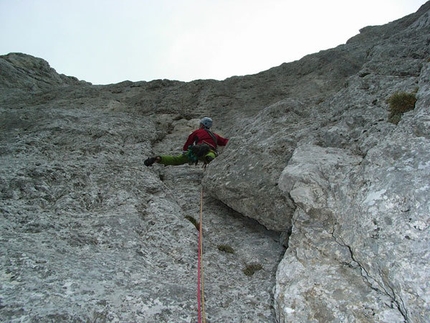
{"x": 89, "y": 234}
{"x": 359, "y": 247}
{"x": 353, "y": 187}
{"x": 324, "y": 203}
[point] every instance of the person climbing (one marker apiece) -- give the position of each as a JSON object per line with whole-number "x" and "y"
{"x": 201, "y": 145}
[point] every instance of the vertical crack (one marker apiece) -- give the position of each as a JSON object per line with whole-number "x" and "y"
{"x": 373, "y": 283}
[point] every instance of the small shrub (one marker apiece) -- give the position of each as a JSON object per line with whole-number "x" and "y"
{"x": 400, "y": 103}
{"x": 250, "y": 270}
{"x": 225, "y": 248}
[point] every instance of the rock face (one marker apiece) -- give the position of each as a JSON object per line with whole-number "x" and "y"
{"x": 323, "y": 203}
{"x": 354, "y": 187}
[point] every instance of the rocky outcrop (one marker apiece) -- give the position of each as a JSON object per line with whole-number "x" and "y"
{"x": 316, "y": 211}
{"x": 363, "y": 220}
{"x": 89, "y": 234}
{"x": 23, "y": 72}
{"x": 352, "y": 186}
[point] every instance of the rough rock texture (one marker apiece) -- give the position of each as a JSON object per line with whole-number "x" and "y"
{"x": 89, "y": 234}
{"x": 353, "y": 187}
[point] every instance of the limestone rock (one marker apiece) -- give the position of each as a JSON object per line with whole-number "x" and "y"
{"x": 89, "y": 234}
{"x": 20, "y": 71}
{"x": 359, "y": 244}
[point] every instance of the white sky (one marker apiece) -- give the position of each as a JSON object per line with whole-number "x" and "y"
{"x": 109, "y": 41}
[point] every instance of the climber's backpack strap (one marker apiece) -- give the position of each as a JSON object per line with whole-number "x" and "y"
{"x": 214, "y": 139}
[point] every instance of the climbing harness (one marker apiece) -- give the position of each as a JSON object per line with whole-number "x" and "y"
{"x": 200, "y": 272}
{"x": 201, "y": 152}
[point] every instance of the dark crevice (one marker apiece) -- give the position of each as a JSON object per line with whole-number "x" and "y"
{"x": 371, "y": 282}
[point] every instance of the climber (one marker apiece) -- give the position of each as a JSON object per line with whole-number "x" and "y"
{"x": 201, "y": 145}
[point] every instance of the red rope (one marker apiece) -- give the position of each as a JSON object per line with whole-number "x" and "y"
{"x": 199, "y": 297}
{"x": 200, "y": 281}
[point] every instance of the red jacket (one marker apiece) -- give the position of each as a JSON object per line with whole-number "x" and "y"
{"x": 202, "y": 136}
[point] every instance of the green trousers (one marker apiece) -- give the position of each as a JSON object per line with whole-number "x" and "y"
{"x": 185, "y": 159}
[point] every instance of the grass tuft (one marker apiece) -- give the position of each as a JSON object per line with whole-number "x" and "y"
{"x": 399, "y": 103}
{"x": 251, "y": 269}
{"x": 225, "y": 248}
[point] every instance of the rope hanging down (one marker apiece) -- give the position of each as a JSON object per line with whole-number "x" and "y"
{"x": 200, "y": 278}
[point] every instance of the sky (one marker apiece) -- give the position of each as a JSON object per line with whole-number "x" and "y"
{"x": 110, "y": 41}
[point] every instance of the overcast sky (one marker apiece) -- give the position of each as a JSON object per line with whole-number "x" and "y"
{"x": 109, "y": 41}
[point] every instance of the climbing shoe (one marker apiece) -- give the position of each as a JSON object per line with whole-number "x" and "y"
{"x": 151, "y": 161}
